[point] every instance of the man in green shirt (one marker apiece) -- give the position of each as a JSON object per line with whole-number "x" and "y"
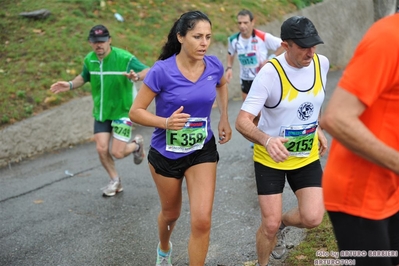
{"x": 111, "y": 72}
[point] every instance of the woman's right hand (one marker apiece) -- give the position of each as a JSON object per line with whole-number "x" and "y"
{"x": 177, "y": 120}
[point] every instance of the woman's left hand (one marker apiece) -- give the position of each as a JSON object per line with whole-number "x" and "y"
{"x": 224, "y": 131}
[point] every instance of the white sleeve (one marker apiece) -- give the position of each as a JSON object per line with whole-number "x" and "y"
{"x": 261, "y": 89}
{"x": 230, "y": 49}
{"x": 272, "y": 42}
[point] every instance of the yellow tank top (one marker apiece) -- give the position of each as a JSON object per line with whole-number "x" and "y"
{"x": 289, "y": 95}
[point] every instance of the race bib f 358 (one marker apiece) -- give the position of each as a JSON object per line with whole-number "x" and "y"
{"x": 190, "y": 138}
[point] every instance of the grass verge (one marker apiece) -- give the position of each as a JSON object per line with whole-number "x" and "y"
{"x": 319, "y": 243}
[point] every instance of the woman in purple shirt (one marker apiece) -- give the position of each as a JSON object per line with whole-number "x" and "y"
{"x": 185, "y": 83}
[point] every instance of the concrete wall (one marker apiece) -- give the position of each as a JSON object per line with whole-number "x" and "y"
{"x": 383, "y": 8}
{"x": 341, "y": 24}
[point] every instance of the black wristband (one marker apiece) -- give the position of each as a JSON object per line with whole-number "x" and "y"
{"x": 227, "y": 68}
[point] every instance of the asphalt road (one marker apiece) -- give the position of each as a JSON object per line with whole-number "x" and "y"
{"x": 52, "y": 211}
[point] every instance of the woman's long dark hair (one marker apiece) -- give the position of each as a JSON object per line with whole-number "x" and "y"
{"x": 185, "y": 23}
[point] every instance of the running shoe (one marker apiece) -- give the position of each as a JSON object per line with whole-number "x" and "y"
{"x": 138, "y": 155}
{"x": 112, "y": 188}
{"x": 164, "y": 260}
{"x": 280, "y": 248}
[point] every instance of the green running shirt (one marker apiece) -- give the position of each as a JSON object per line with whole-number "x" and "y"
{"x": 112, "y": 92}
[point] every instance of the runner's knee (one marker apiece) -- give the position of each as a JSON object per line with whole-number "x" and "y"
{"x": 201, "y": 224}
{"x": 102, "y": 149}
{"x": 118, "y": 154}
{"x": 170, "y": 216}
{"x": 270, "y": 228}
{"x": 312, "y": 220}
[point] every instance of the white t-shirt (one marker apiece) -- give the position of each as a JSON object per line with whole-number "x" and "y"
{"x": 252, "y": 51}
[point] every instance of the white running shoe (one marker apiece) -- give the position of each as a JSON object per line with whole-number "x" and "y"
{"x": 164, "y": 261}
{"x": 280, "y": 248}
{"x": 138, "y": 155}
{"x": 112, "y": 188}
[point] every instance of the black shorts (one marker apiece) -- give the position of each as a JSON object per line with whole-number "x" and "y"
{"x": 355, "y": 233}
{"x": 100, "y": 127}
{"x": 271, "y": 181}
{"x": 246, "y": 85}
{"x": 177, "y": 167}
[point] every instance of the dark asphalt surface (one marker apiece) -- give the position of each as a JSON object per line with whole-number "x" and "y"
{"x": 52, "y": 211}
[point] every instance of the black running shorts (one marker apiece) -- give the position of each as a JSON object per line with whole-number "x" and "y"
{"x": 271, "y": 181}
{"x": 100, "y": 127}
{"x": 377, "y": 239}
{"x": 246, "y": 85}
{"x": 177, "y": 167}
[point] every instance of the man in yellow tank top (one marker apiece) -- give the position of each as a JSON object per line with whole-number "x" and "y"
{"x": 288, "y": 92}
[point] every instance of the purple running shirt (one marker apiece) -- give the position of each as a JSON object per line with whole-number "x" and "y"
{"x": 174, "y": 90}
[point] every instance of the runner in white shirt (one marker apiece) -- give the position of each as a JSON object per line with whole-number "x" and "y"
{"x": 289, "y": 93}
{"x": 251, "y": 47}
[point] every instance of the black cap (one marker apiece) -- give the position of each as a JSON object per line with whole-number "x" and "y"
{"x": 99, "y": 33}
{"x": 301, "y": 30}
